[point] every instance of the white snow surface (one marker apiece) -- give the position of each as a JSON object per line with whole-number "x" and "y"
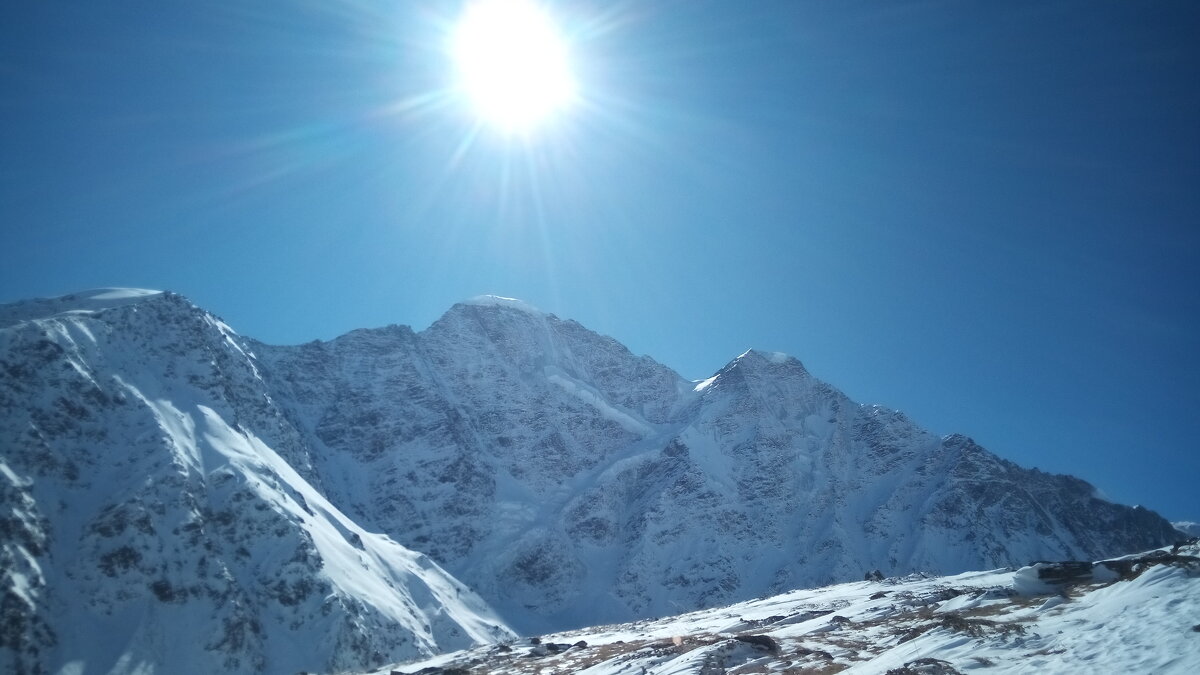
{"x": 965, "y": 623}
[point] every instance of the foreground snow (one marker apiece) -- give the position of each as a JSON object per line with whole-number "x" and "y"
{"x": 988, "y": 622}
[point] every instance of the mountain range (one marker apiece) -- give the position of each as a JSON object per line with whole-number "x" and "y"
{"x": 175, "y": 497}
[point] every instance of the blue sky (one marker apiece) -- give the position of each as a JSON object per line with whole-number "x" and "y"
{"x": 986, "y": 215}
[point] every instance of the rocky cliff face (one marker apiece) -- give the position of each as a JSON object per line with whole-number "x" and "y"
{"x": 571, "y": 482}
{"x": 158, "y": 514}
{"x": 164, "y": 476}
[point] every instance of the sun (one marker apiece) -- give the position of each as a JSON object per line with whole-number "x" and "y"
{"x": 512, "y": 64}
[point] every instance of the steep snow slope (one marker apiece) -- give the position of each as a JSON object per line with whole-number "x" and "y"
{"x": 159, "y": 514}
{"x": 1139, "y": 614}
{"x": 570, "y": 482}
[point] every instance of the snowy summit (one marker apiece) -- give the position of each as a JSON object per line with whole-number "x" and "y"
{"x": 93, "y": 300}
{"x": 500, "y": 301}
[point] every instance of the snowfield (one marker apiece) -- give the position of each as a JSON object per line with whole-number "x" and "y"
{"x": 1144, "y": 619}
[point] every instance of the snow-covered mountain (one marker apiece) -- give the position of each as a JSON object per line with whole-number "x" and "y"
{"x": 157, "y": 512}
{"x": 1136, "y": 614}
{"x": 163, "y": 476}
{"x": 570, "y": 482}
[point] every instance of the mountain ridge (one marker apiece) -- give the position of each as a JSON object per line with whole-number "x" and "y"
{"x": 565, "y": 480}
{"x": 651, "y": 423}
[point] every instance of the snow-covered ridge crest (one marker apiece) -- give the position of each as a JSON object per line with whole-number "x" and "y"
{"x": 769, "y": 361}
{"x": 778, "y": 358}
{"x": 501, "y": 301}
{"x": 93, "y": 300}
{"x": 111, "y": 294}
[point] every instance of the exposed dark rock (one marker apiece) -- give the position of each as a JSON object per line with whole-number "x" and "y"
{"x": 820, "y": 653}
{"x": 873, "y": 575}
{"x": 1068, "y": 571}
{"x": 925, "y": 667}
{"x": 979, "y": 627}
{"x": 165, "y": 592}
{"x": 118, "y": 560}
{"x": 761, "y": 641}
{"x": 914, "y": 633}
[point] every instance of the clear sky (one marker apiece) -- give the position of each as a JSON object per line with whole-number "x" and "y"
{"x": 986, "y": 214}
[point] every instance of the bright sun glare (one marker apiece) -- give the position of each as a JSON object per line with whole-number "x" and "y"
{"x": 512, "y": 63}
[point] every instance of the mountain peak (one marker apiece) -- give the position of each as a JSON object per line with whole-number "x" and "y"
{"x": 777, "y": 358}
{"x": 116, "y": 294}
{"x": 87, "y": 302}
{"x": 762, "y": 361}
{"x": 501, "y": 301}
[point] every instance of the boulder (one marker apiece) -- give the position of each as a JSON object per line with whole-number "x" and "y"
{"x": 760, "y": 641}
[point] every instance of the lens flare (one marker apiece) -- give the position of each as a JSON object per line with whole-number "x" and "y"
{"x": 513, "y": 64}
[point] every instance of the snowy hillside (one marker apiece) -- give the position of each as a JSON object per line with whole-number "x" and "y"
{"x": 154, "y": 519}
{"x": 177, "y": 498}
{"x": 569, "y": 481}
{"x": 1138, "y": 614}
